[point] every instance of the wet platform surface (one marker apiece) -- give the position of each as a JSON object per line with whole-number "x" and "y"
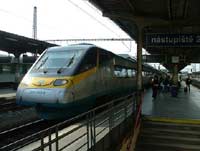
{"x": 7, "y": 93}
{"x": 184, "y": 106}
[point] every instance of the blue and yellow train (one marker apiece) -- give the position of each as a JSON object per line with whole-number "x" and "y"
{"x": 65, "y": 81}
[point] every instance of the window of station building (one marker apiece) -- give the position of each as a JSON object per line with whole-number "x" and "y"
{"x": 7, "y": 68}
{"x": 134, "y": 72}
{"x": 147, "y": 73}
{"x": 143, "y": 73}
{"x": 89, "y": 61}
{"x": 150, "y": 73}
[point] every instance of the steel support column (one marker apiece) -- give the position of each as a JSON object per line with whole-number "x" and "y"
{"x": 137, "y": 116}
{"x": 139, "y": 65}
{"x": 175, "y": 75}
{"x": 174, "y": 88}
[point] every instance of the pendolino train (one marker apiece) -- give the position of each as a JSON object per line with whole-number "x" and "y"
{"x": 65, "y": 81}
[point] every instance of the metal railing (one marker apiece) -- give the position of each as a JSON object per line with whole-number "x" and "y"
{"x": 89, "y": 130}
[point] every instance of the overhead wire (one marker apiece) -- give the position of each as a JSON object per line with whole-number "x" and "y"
{"x": 26, "y": 19}
{"x": 91, "y": 16}
{"x": 13, "y": 14}
{"x": 109, "y": 20}
{"x": 92, "y": 7}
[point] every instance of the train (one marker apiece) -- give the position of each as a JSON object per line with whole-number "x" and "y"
{"x": 68, "y": 80}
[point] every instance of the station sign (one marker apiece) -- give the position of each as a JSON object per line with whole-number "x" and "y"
{"x": 172, "y": 40}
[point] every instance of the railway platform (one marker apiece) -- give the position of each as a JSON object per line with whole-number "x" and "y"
{"x": 7, "y": 94}
{"x": 170, "y": 123}
{"x": 185, "y": 106}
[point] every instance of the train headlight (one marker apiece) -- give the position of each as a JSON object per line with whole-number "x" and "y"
{"x": 59, "y": 82}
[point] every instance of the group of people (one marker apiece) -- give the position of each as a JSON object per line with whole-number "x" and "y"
{"x": 160, "y": 84}
{"x": 165, "y": 84}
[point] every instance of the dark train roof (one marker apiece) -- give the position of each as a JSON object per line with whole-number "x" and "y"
{"x": 75, "y": 46}
{"x": 126, "y": 56}
{"x": 13, "y": 43}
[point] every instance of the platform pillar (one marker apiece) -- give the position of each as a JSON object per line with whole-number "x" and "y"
{"x": 138, "y": 104}
{"x": 175, "y": 75}
{"x": 174, "y": 88}
{"x": 139, "y": 65}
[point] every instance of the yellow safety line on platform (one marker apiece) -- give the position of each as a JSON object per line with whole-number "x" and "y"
{"x": 173, "y": 120}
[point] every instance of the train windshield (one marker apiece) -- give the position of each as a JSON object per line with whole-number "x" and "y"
{"x": 57, "y": 60}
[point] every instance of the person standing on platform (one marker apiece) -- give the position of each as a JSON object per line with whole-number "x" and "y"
{"x": 161, "y": 84}
{"x": 166, "y": 84}
{"x": 188, "y": 82}
{"x": 155, "y": 86}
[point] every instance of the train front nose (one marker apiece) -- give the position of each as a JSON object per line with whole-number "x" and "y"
{"x": 37, "y": 95}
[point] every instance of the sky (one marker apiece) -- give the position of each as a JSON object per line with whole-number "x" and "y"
{"x": 62, "y": 19}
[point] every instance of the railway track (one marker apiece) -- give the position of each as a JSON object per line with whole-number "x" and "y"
{"x": 12, "y": 138}
{"x": 9, "y": 105}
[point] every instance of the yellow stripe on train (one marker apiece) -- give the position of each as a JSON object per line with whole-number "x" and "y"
{"x": 48, "y": 82}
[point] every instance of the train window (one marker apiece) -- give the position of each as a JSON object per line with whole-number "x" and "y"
{"x": 117, "y": 71}
{"x": 124, "y": 73}
{"x": 89, "y": 61}
{"x": 130, "y": 73}
{"x": 57, "y": 60}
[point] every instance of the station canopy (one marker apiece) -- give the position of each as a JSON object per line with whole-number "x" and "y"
{"x": 13, "y": 43}
{"x": 170, "y": 28}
